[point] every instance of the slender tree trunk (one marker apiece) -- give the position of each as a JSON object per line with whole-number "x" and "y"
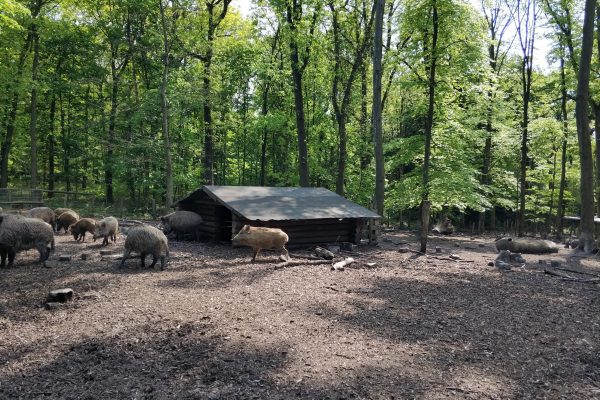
{"x": 341, "y": 98}
{"x": 108, "y": 163}
{"x": 377, "y": 108}
{"x": 12, "y": 114}
{"x": 293, "y": 12}
{"x": 51, "y": 144}
{"x": 33, "y": 111}
{"x": 586, "y": 236}
{"x": 563, "y": 160}
{"x": 429, "y": 129}
{"x": 165, "y": 109}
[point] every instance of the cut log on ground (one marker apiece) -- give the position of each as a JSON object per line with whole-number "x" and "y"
{"x": 339, "y": 266}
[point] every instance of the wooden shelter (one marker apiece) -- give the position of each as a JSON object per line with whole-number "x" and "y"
{"x": 307, "y": 215}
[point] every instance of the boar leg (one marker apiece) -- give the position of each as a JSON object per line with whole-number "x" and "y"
{"x": 154, "y": 260}
{"x": 162, "y": 263}
{"x": 143, "y": 258}
{"x": 287, "y": 254}
{"x": 11, "y": 257}
{"x": 125, "y": 257}
{"x": 256, "y": 254}
{"x": 3, "y": 253}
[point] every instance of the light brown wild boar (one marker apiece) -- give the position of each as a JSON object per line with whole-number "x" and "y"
{"x": 65, "y": 220}
{"x": 259, "y": 238}
{"x": 79, "y": 228}
{"x": 105, "y": 228}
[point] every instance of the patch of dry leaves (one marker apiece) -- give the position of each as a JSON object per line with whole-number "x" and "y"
{"x": 215, "y": 326}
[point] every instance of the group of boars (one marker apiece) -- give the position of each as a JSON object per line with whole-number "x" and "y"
{"x": 35, "y": 229}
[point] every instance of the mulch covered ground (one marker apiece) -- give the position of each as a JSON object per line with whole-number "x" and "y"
{"x": 214, "y": 326}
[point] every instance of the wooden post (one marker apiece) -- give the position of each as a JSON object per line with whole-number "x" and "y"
{"x": 425, "y": 205}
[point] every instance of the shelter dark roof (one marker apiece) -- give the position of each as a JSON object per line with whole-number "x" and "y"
{"x": 282, "y": 203}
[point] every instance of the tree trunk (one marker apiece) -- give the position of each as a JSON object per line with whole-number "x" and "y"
{"x": 563, "y": 160}
{"x": 429, "y": 129}
{"x": 108, "y": 162}
{"x": 297, "y": 72}
{"x": 33, "y": 111}
{"x": 165, "y": 109}
{"x": 12, "y": 114}
{"x": 51, "y": 143}
{"x": 341, "y": 99}
{"x": 377, "y": 108}
{"x": 586, "y": 227}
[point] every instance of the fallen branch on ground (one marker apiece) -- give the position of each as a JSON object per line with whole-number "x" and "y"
{"x": 569, "y": 277}
{"x": 295, "y": 263}
{"x": 576, "y": 271}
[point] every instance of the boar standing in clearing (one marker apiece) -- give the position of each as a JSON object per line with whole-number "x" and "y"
{"x": 145, "y": 239}
{"x": 65, "y": 220}
{"x": 182, "y": 222}
{"x": 19, "y": 233}
{"x": 262, "y": 238}
{"x": 105, "y": 228}
{"x": 79, "y": 228}
{"x": 526, "y": 245}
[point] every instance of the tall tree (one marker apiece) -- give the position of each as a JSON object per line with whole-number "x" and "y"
{"x": 497, "y": 20}
{"x": 164, "y": 103}
{"x": 294, "y": 19}
{"x": 525, "y": 14}
{"x": 377, "y": 107}
{"x": 15, "y": 89}
{"x": 33, "y": 105}
{"x": 431, "y": 84}
{"x": 343, "y": 82}
{"x": 586, "y": 227}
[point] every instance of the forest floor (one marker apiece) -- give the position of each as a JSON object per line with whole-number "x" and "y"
{"x": 212, "y": 325}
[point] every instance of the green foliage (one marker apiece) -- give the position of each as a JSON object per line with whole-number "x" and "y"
{"x": 90, "y": 47}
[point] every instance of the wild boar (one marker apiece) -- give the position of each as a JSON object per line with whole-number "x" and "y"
{"x": 46, "y": 214}
{"x": 259, "y": 238}
{"x": 60, "y": 210}
{"x": 526, "y": 245}
{"x": 182, "y": 222}
{"x": 105, "y": 228}
{"x": 145, "y": 239}
{"x": 19, "y": 233}
{"x": 65, "y": 220}
{"x": 79, "y": 228}
{"x": 443, "y": 226}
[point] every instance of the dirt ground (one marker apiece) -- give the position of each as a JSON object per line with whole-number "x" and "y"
{"x": 215, "y": 326}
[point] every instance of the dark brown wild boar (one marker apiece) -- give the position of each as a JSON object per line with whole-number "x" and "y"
{"x": 79, "y": 228}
